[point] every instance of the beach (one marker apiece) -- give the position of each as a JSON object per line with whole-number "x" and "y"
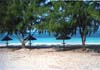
{"x": 48, "y": 59}
{"x": 49, "y": 35}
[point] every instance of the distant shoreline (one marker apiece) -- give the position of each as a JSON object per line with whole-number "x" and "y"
{"x": 50, "y": 44}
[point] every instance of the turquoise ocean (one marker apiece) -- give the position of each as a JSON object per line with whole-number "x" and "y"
{"x": 46, "y": 38}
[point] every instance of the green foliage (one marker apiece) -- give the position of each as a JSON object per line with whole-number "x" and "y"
{"x": 55, "y": 21}
{"x": 18, "y": 16}
{"x": 63, "y": 17}
{"x": 3, "y": 8}
{"x": 82, "y": 16}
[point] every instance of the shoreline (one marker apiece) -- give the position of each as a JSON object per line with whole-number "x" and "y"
{"x": 51, "y": 44}
{"x": 48, "y": 44}
{"x": 89, "y": 47}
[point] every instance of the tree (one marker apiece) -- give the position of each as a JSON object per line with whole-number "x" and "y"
{"x": 20, "y": 15}
{"x": 3, "y": 8}
{"x": 56, "y": 21}
{"x": 84, "y": 21}
{"x": 81, "y": 16}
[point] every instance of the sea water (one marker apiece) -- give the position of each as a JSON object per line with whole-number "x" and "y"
{"x": 50, "y": 39}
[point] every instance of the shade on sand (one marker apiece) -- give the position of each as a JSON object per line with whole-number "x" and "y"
{"x": 61, "y": 37}
{"x": 30, "y": 37}
{"x": 6, "y": 38}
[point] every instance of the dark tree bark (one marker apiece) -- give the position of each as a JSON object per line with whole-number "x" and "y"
{"x": 83, "y": 42}
{"x": 23, "y": 44}
{"x": 83, "y": 37}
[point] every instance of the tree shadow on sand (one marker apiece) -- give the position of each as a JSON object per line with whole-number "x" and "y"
{"x": 89, "y": 48}
{"x": 57, "y": 48}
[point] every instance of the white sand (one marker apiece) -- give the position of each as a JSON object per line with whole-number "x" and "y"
{"x": 48, "y": 59}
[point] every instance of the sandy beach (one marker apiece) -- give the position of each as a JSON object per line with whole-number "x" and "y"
{"x": 48, "y": 59}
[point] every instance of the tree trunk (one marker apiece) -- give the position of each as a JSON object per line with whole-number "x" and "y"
{"x": 23, "y": 41}
{"x": 83, "y": 42}
{"x": 23, "y": 44}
